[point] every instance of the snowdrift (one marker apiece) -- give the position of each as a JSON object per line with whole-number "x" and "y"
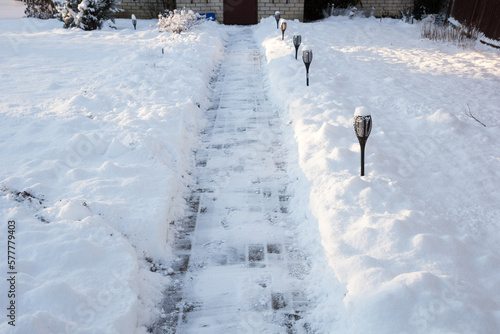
{"x": 412, "y": 244}
{"x": 98, "y": 131}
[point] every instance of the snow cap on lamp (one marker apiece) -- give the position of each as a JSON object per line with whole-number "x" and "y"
{"x": 134, "y": 21}
{"x": 362, "y": 111}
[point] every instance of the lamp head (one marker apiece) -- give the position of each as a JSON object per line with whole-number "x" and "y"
{"x": 297, "y": 39}
{"x": 307, "y": 57}
{"x": 362, "y": 123}
{"x": 283, "y": 25}
{"x": 134, "y": 21}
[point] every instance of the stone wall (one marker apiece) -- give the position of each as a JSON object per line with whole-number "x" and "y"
{"x": 387, "y": 7}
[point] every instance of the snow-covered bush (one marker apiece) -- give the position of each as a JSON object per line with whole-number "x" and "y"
{"x": 40, "y": 9}
{"x": 179, "y": 20}
{"x": 153, "y": 7}
{"x": 350, "y": 10}
{"x": 463, "y": 36}
{"x": 421, "y": 8}
{"x": 88, "y": 14}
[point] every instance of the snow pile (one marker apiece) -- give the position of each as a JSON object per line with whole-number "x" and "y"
{"x": 413, "y": 244}
{"x": 97, "y": 148}
{"x": 179, "y": 20}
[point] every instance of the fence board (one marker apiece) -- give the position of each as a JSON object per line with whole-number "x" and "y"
{"x": 483, "y": 14}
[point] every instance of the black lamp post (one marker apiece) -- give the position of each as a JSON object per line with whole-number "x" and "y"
{"x": 362, "y": 128}
{"x": 134, "y": 21}
{"x": 277, "y": 17}
{"x": 297, "y": 39}
{"x": 307, "y": 57}
{"x": 283, "y": 28}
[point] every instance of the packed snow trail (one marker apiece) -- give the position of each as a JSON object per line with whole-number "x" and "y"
{"x": 238, "y": 269}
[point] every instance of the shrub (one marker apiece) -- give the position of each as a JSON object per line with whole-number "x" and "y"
{"x": 156, "y": 7}
{"x": 88, "y": 14}
{"x": 313, "y": 9}
{"x": 316, "y": 9}
{"x": 421, "y": 8}
{"x": 40, "y": 9}
{"x": 464, "y": 37}
{"x": 179, "y": 20}
{"x": 345, "y": 3}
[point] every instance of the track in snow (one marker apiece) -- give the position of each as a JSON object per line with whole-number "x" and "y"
{"x": 237, "y": 268}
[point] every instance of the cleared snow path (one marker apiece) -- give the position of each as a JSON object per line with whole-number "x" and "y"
{"x": 238, "y": 269}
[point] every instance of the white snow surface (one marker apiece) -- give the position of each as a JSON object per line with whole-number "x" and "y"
{"x": 99, "y": 128}
{"x": 362, "y": 111}
{"x": 97, "y": 137}
{"x": 413, "y": 244}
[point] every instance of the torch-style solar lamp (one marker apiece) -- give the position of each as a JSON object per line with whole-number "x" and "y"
{"x": 134, "y": 21}
{"x": 362, "y": 128}
{"x": 283, "y": 28}
{"x": 297, "y": 39}
{"x": 307, "y": 56}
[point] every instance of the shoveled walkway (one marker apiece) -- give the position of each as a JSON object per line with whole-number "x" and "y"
{"x": 238, "y": 269}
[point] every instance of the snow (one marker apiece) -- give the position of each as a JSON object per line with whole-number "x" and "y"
{"x": 412, "y": 244}
{"x": 245, "y": 270}
{"x": 362, "y": 111}
{"x": 99, "y": 128}
{"x": 98, "y": 131}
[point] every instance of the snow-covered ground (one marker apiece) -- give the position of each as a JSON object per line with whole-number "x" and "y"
{"x": 97, "y": 137}
{"x": 413, "y": 243}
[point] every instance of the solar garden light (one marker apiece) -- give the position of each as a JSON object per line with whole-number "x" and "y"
{"x": 277, "y": 17}
{"x": 297, "y": 39}
{"x": 362, "y": 128}
{"x": 283, "y": 28}
{"x": 307, "y": 57}
{"x": 134, "y": 21}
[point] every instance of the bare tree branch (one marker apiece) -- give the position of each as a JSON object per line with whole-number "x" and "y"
{"x": 472, "y": 116}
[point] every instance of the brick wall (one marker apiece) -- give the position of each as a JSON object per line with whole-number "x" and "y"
{"x": 203, "y": 6}
{"x": 142, "y": 9}
{"x": 289, "y": 9}
{"x": 387, "y": 7}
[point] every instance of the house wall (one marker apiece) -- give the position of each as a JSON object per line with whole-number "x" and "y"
{"x": 203, "y": 6}
{"x": 142, "y": 9}
{"x": 289, "y": 9}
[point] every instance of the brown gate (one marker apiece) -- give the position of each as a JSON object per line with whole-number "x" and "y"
{"x": 240, "y": 12}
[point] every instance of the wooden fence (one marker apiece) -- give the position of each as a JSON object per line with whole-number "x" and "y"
{"x": 482, "y": 14}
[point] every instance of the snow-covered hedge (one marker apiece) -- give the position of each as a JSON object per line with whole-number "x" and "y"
{"x": 179, "y": 20}
{"x": 88, "y": 14}
{"x": 40, "y": 9}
